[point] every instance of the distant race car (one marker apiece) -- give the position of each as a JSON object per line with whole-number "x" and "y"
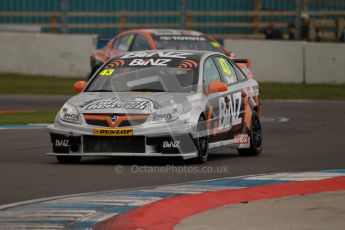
{"x": 155, "y": 39}
{"x": 178, "y": 103}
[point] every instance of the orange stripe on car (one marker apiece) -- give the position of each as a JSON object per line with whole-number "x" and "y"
{"x": 209, "y": 119}
{"x": 215, "y": 128}
{"x": 248, "y": 111}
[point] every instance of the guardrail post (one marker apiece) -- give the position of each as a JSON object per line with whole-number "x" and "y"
{"x": 53, "y": 23}
{"x": 183, "y": 5}
{"x": 312, "y": 28}
{"x": 189, "y": 22}
{"x": 298, "y": 19}
{"x": 340, "y": 27}
{"x": 64, "y": 17}
{"x": 123, "y": 21}
{"x": 257, "y": 8}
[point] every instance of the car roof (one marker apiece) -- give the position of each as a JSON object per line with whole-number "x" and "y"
{"x": 196, "y": 54}
{"x": 169, "y": 32}
{"x": 170, "y": 58}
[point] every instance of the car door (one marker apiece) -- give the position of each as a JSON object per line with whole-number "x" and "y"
{"x": 210, "y": 74}
{"x": 232, "y": 109}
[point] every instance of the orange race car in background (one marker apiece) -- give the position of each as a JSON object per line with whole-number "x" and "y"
{"x": 158, "y": 39}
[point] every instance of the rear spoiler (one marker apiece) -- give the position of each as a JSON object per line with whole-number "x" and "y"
{"x": 246, "y": 62}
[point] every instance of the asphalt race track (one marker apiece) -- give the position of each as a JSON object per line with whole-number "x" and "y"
{"x": 312, "y": 139}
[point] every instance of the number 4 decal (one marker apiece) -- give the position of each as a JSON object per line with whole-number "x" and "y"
{"x": 229, "y": 111}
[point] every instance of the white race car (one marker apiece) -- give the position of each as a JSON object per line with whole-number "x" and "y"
{"x": 160, "y": 103}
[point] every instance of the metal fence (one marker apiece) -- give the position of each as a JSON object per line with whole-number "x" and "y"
{"x": 223, "y": 18}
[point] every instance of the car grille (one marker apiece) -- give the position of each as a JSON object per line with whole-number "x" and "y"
{"x": 132, "y": 144}
{"x": 115, "y": 120}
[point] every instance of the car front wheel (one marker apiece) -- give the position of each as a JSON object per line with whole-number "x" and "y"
{"x": 201, "y": 143}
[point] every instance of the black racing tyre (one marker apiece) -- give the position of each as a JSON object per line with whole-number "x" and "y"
{"x": 256, "y": 139}
{"x": 68, "y": 159}
{"x": 201, "y": 143}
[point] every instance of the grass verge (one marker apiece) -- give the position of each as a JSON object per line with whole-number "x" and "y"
{"x": 27, "y": 84}
{"x": 28, "y": 117}
{"x": 300, "y": 91}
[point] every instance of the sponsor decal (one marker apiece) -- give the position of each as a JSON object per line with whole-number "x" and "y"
{"x": 61, "y": 143}
{"x": 226, "y": 69}
{"x": 112, "y": 132}
{"x": 215, "y": 44}
{"x": 176, "y": 33}
{"x": 116, "y": 63}
{"x": 182, "y": 38}
{"x": 113, "y": 118}
{"x": 149, "y": 62}
{"x": 110, "y": 103}
{"x": 171, "y": 144}
{"x": 167, "y": 33}
{"x": 241, "y": 138}
{"x": 159, "y": 54}
{"x": 130, "y": 40}
{"x": 146, "y": 59}
{"x": 71, "y": 116}
{"x": 188, "y": 64}
{"x": 229, "y": 111}
{"x": 107, "y": 72}
{"x": 220, "y": 144}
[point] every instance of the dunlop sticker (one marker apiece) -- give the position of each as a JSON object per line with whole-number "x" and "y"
{"x": 112, "y": 132}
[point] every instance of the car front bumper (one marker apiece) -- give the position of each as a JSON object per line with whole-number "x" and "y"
{"x": 173, "y": 139}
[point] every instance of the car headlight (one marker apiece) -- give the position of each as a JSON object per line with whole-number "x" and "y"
{"x": 70, "y": 114}
{"x": 166, "y": 114}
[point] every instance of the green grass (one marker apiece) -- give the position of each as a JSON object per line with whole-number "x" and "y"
{"x": 26, "y": 84}
{"x": 300, "y": 91}
{"x": 28, "y": 117}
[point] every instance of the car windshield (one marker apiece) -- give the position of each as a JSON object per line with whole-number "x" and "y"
{"x": 144, "y": 79}
{"x": 186, "y": 42}
{"x": 188, "y": 45}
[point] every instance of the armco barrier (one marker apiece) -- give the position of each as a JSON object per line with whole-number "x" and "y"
{"x": 46, "y": 54}
{"x": 325, "y": 63}
{"x": 273, "y": 61}
{"x": 296, "y": 62}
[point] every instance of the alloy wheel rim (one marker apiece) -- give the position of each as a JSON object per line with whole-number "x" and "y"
{"x": 203, "y": 146}
{"x": 257, "y": 133}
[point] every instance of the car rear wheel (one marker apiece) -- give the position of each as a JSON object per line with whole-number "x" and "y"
{"x": 256, "y": 139}
{"x": 201, "y": 143}
{"x": 68, "y": 159}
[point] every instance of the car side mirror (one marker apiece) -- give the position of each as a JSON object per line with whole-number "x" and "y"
{"x": 79, "y": 86}
{"x": 228, "y": 54}
{"x": 249, "y": 63}
{"x": 216, "y": 87}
